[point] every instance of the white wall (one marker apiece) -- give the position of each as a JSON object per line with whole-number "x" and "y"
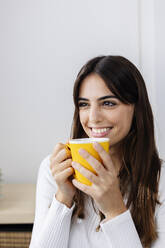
{"x": 160, "y": 71}
{"x": 43, "y": 44}
{"x": 152, "y": 39}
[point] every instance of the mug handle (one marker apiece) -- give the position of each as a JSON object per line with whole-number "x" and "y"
{"x": 68, "y": 150}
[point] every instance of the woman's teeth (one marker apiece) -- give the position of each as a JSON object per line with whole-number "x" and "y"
{"x": 101, "y": 130}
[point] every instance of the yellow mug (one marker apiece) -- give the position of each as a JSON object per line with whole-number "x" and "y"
{"x": 87, "y": 144}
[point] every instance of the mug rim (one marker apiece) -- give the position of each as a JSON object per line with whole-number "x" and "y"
{"x": 87, "y": 140}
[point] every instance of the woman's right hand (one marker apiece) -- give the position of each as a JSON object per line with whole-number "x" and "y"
{"x": 60, "y": 165}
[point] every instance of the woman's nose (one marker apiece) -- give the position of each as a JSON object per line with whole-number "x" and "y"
{"x": 95, "y": 115}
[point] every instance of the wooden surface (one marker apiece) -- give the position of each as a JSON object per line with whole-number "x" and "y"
{"x": 17, "y": 203}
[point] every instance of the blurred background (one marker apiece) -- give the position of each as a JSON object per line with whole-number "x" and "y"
{"x": 43, "y": 45}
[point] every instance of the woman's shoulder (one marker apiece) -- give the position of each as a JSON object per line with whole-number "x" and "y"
{"x": 45, "y": 164}
{"x": 44, "y": 168}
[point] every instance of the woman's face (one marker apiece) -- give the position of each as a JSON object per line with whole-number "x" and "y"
{"x": 101, "y": 113}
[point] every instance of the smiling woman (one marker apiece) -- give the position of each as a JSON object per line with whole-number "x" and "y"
{"x": 125, "y": 205}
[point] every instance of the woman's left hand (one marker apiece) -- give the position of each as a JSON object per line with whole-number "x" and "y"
{"x": 105, "y": 188}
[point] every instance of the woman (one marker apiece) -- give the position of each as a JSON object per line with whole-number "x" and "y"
{"x": 125, "y": 206}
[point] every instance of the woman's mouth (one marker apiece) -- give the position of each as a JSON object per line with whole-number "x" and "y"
{"x": 100, "y": 132}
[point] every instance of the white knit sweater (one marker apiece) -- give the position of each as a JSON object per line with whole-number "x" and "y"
{"x": 54, "y": 228}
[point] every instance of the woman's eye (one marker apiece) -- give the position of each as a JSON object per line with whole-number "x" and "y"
{"x": 108, "y": 103}
{"x": 82, "y": 104}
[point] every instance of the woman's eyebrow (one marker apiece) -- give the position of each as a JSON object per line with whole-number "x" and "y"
{"x": 101, "y": 98}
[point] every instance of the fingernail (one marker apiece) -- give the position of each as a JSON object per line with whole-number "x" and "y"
{"x": 73, "y": 164}
{"x": 81, "y": 151}
{"x": 96, "y": 145}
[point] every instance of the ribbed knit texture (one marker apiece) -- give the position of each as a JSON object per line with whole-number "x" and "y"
{"x": 54, "y": 227}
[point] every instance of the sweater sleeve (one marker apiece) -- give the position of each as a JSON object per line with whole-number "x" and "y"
{"x": 52, "y": 219}
{"x": 121, "y": 232}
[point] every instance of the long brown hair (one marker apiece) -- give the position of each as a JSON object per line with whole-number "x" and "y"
{"x": 140, "y": 170}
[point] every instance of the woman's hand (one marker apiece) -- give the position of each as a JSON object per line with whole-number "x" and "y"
{"x": 105, "y": 185}
{"x": 61, "y": 168}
